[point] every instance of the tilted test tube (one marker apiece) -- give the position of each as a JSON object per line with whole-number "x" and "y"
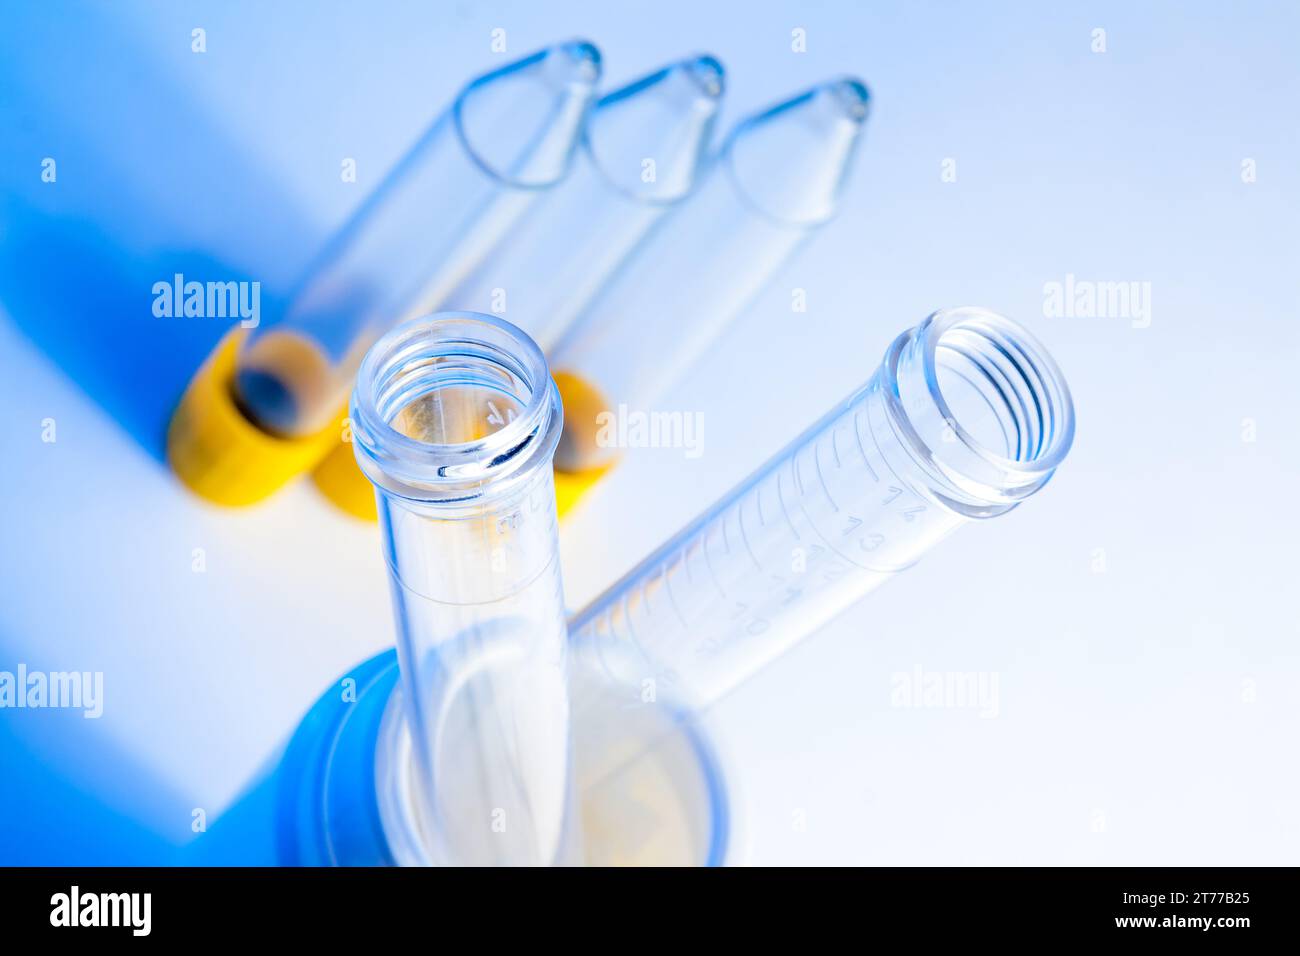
{"x": 639, "y": 154}
{"x": 775, "y": 180}
{"x": 269, "y": 404}
{"x": 966, "y": 417}
{"x": 456, "y": 420}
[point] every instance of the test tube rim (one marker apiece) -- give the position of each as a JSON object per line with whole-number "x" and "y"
{"x": 415, "y": 469}
{"x": 1057, "y": 393}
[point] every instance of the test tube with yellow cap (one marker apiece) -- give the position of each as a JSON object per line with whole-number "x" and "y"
{"x": 269, "y": 405}
{"x": 641, "y": 151}
{"x": 776, "y": 179}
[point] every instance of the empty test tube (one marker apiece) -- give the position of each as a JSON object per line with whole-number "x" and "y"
{"x": 966, "y": 417}
{"x": 640, "y": 151}
{"x": 640, "y": 155}
{"x": 776, "y": 179}
{"x": 507, "y": 137}
{"x": 456, "y": 419}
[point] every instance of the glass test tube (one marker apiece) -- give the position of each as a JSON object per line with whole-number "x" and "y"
{"x": 508, "y": 136}
{"x": 455, "y": 422}
{"x": 965, "y": 418}
{"x": 640, "y": 155}
{"x": 777, "y": 178}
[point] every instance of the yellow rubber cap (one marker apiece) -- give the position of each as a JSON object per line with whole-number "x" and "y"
{"x": 218, "y": 453}
{"x": 340, "y": 480}
{"x": 583, "y": 403}
{"x": 570, "y": 486}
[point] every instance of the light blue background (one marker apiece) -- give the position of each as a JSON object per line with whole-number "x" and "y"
{"x": 1147, "y": 714}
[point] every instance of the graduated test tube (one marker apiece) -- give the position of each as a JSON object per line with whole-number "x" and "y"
{"x": 776, "y": 179}
{"x": 456, "y": 419}
{"x": 640, "y": 156}
{"x": 966, "y": 417}
{"x": 268, "y": 406}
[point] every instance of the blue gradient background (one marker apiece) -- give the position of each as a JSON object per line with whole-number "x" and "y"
{"x": 1147, "y": 714}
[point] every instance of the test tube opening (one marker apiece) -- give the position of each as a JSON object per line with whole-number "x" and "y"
{"x": 982, "y": 406}
{"x": 449, "y": 402}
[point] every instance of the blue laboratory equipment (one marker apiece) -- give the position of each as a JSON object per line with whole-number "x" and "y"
{"x": 650, "y": 787}
{"x": 776, "y": 179}
{"x": 967, "y": 416}
{"x": 640, "y": 155}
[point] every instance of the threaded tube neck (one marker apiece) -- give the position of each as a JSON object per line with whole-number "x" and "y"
{"x": 980, "y": 406}
{"x": 454, "y": 408}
